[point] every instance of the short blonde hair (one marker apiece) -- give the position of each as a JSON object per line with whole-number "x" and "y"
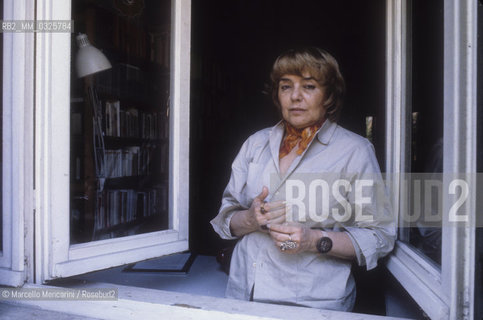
{"x": 320, "y": 65}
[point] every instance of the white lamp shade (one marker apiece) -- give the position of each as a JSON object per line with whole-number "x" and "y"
{"x": 89, "y": 59}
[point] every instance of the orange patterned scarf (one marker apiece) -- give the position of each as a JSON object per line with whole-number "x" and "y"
{"x": 294, "y": 135}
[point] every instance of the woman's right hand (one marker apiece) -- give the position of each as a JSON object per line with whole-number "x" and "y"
{"x": 262, "y": 213}
{"x": 259, "y": 216}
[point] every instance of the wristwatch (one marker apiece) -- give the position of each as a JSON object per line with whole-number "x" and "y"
{"x": 324, "y": 244}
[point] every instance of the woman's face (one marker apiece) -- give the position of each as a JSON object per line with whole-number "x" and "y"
{"x": 301, "y": 100}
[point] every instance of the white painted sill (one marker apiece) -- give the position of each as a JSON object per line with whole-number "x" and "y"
{"x": 141, "y": 303}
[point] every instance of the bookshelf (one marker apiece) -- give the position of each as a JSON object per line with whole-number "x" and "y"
{"x": 119, "y": 176}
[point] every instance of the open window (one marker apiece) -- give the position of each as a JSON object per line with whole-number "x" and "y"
{"x": 111, "y": 147}
{"x": 431, "y": 104}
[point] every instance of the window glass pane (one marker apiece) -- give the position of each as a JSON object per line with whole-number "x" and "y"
{"x": 119, "y": 120}
{"x": 425, "y": 127}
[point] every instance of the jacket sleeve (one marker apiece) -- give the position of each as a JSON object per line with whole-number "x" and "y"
{"x": 373, "y": 230}
{"x": 233, "y": 197}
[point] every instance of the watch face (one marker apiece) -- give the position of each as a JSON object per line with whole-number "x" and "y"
{"x": 324, "y": 244}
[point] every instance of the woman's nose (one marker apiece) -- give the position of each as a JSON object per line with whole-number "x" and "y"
{"x": 296, "y": 94}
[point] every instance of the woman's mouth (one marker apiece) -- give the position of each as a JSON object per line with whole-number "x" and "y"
{"x": 297, "y": 110}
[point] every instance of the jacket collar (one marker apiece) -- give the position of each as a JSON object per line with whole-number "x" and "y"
{"x": 326, "y": 132}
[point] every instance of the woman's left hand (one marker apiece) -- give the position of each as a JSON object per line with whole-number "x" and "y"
{"x": 287, "y": 235}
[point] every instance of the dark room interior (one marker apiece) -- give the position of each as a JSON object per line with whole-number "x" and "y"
{"x": 234, "y": 44}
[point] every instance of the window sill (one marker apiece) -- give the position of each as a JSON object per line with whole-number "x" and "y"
{"x": 140, "y": 303}
{"x": 427, "y": 299}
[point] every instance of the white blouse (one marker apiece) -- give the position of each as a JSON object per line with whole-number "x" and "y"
{"x": 306, "y": 279}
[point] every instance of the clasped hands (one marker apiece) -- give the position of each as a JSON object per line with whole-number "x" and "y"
{"x": 270, "y": 217}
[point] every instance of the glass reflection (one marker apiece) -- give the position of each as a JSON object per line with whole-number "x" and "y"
{"x": 119, "y": 121}
{"x": 426, "y": 124}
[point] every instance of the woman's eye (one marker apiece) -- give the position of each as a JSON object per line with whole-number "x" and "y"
{"x": 309, "y": 86}
{"x": 284, "y": 87}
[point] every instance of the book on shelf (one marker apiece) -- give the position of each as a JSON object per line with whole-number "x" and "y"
{"x": 133, "y": 123}
{"x": 132, "y": 161}
{"x": 112, "y": 118}
{"x": 117, "y": 207}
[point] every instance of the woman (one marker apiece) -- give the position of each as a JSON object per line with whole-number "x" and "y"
{"x": 305, "y": 261}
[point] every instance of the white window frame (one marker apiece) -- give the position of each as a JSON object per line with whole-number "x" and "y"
{"x": 17, "y": 142}
{"x": 55, "y": 257}
{"x": 446, "y": 292}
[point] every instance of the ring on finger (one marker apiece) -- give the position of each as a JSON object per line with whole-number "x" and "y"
{"x": 289, "y": 237}
{"x": 286, "y": 245}
{"x": 262, "y": 208}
